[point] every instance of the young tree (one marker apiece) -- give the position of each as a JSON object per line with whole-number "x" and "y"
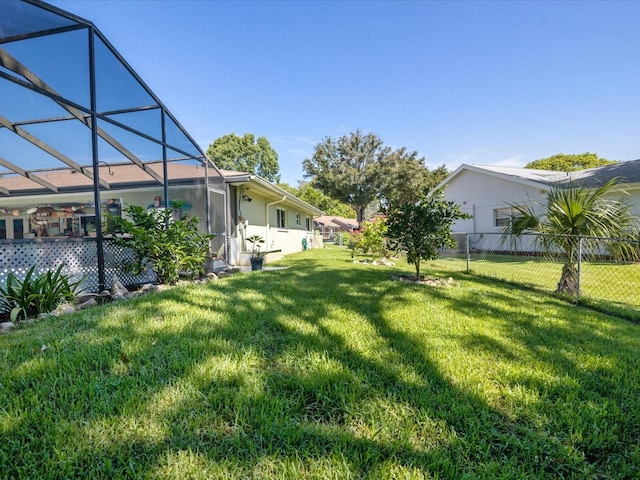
{"x": 569, "y": 163}
{"x": 246, "y": 154}
{"x": 571, "y": 212}
{"x": 421, "y": 229}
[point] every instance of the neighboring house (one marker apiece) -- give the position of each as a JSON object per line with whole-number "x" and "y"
{"x": 487, "y": 192}
{"x": 330, "y": 225}
{"x": 258, "y": 207}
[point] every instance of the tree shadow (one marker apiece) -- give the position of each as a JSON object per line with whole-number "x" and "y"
{"x": 305, "y": 365}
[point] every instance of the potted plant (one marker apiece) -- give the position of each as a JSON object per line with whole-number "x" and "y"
{"x": 257, "y": 257}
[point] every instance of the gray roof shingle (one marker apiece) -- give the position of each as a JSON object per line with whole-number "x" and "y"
{"x": 626, "y": 172}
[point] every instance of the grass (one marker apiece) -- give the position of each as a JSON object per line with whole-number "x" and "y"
{"x": 324, "y": 370}
{"x": 607, "y": 286}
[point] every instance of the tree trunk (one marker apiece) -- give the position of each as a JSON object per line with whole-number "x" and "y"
{"x": 360, "y": 215}
{"x": 569, "y": 280}
{"x": 417, "y": 270}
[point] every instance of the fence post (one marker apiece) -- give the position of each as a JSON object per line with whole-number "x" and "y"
{"x": 466, "y": 242}
{"x": 579, "y": 264}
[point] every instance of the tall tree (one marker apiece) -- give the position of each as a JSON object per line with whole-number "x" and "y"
{"x": 307, "y": 192}
{"x": 569, "y": 162}
{"x": 571, "y": 212}
{"x": 406, "y": 176}
{"x": 348, "y": 169}
{"x": 246, "y": 154}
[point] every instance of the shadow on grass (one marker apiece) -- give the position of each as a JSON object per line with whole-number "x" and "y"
{"x": 305, "y": 366}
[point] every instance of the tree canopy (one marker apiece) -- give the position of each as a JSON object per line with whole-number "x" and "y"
{"x": 569, "y": 162}
{"x": 307, "y": 192}
{"x": 358, "y": 170}
{"x": 246, "y": 154}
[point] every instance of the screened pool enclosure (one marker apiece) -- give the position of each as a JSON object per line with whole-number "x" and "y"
{"x": 82, "y": 136}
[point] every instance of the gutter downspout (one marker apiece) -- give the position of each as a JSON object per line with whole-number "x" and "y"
{"x": 266, "y": 219}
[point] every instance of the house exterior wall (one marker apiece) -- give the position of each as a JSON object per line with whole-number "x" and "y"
{"x": 480, "y": 195}
{"x": 255, "y": 218}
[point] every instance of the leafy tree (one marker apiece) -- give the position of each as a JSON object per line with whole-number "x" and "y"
{"x": 313, "y": 196}
{"x": 246, "y": 154}
{"x": 359, "y": 170}
{"x": 405, "y": 176}
{"x": 571, "y": 212}
{"x": 173, "y": 247}
{"x": 348, "y": 169}
{"x": 421, "y": 229}
{"x": 569, "y": 163}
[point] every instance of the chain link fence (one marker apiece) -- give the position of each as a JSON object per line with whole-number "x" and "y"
{"x": 605, "y": 275}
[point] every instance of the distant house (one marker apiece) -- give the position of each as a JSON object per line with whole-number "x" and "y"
{"x": 258, "y": 207}
{"x": 330, "y": 225}
{"x": 487, "y": 192}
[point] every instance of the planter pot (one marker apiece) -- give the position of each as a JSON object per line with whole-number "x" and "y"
{"x": 256, "y": 263}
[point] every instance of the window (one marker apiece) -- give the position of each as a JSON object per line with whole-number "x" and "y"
{"x": 281, "y": 216}
{"x": 308, "y": 223}
{"x": 18, "y": 229}
{"x": 298, "y": 219}
{"x": 3, "y": 229}
{"x": 504, "y": 216}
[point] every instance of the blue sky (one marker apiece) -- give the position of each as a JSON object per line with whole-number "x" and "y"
{"x": 500, "y": 83}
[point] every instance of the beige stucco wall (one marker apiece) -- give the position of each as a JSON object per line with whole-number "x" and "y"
{"x": 262, "y": 220}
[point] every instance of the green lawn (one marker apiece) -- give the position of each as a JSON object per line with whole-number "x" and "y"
{"x": 608, "y": 286}
{"x": 324, "y": 370}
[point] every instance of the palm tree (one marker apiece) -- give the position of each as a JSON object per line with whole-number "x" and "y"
{"x": 569, "y": 213}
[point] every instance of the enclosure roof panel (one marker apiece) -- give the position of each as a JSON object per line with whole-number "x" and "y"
{"x": 94, "y": 112}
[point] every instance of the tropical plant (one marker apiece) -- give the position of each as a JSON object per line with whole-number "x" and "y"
{"x": 570, "y": 213}
{"x": 421, "y": 229}
{"x": 37, "y": 294}
{"x": 172, "y": 247}
{"x": 256, "y": 241}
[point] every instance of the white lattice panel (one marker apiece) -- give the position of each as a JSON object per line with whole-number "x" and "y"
{"x": 79, "y": 257}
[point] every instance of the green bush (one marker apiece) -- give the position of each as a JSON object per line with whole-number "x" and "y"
{"x": 371, "y": 239}
{"x": 172, "y": 247}
{"x": 37, "y": 294}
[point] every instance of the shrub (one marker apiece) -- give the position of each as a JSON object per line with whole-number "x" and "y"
{"x": 172, "y": 247}
{"x": 371, "y": 239}
{"x": 37, "y": 294}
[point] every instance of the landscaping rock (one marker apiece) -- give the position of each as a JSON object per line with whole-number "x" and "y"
{"x": 118, "y": 290}
{"x": 149, "y": 288}
{"x": 65, "y": 309}
{"x": 90, "y": 302}
{"x": 6, "y": 327}
{"x": 428, "y": 281}
{"x": 212, "y": 277}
